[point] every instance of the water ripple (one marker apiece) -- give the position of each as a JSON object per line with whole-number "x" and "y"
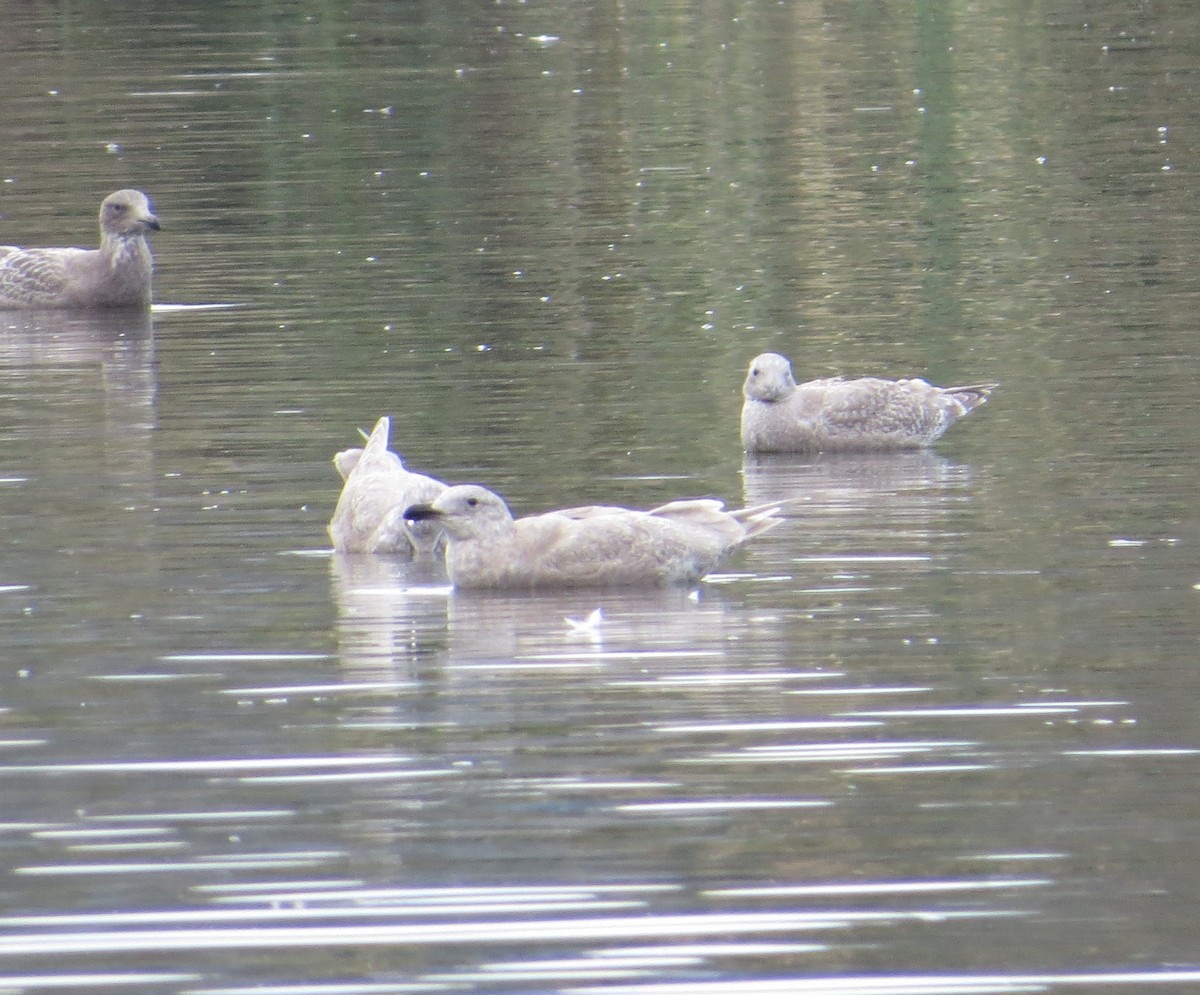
{"x": 917, "y": 984}
{"x": 601, "y": 928}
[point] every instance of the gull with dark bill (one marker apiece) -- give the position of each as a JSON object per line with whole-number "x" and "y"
{"x": 600, "y": 546}
{"x": 115, "y": 275}
{"x": 369, "y": 517}
{"x": 841, "y": 415}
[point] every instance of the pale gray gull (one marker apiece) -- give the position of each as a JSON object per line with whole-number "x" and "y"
{"x": 677, "y": 543}
{"x": 369, "y": 517}
{"x": 115, "y": 275}
{"x": 841, "y": 415}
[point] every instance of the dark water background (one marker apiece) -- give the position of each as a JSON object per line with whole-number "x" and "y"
{"x": 936, "y": 734}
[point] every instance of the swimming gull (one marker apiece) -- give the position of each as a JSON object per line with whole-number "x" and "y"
{"x": 115, "y": 275}
{"x": 677, "y": 543}
{"x": 840, "y": 415}
{"x": 369, "y": 517}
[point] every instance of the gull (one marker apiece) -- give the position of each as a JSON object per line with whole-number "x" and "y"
{"x": 369, "y": 517}
{"x": 596, "y": 546}
{"x": 115, "y": 275}
{"x": 841, "y": 415}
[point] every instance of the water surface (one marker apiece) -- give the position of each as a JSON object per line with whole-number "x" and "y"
{"x": 934, "y": 734}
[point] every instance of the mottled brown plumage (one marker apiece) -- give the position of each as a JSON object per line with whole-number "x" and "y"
{"x": 117, "y": 274}
{"x": 840, "y": 415}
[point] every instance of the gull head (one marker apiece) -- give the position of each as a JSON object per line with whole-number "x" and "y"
{"x": 466, "y": 511}
{"x": 769, "y": 378}
{"x": 125, "y": 213}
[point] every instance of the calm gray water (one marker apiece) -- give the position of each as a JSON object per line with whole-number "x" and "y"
{"x": 936, "y": 734}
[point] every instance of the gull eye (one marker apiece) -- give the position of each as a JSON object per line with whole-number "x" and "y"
{"x": 472, "y": 502}
{"x": 117, "y": 208}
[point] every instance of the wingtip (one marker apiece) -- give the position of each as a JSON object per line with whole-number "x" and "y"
{"x": 971, "y": 396}
{"x": 761, "y": 517}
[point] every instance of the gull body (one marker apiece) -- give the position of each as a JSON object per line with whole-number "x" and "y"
{"x": 117, "y": 274}
{"x": 369, "y": 517}
{"x": 841, "y": 415}
{"x": 595, "y": 546}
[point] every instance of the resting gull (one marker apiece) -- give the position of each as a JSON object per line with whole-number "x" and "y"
{"x": 585, "y": 547}
{"x": 115, "y": 275}
{"x": 369, "y": 517}
{"x": 840, "y": 415}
